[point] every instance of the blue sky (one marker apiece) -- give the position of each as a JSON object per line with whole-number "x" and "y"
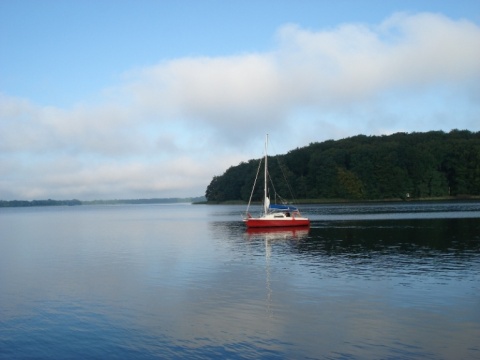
{"x": 134, "y": 99}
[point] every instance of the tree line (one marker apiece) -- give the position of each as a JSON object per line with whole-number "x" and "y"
{"x": 74, "y": 202}
{"x": 398, "y": 166}
{"x": 49, "y": 202}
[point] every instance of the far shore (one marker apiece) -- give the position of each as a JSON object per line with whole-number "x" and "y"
{"x": 195, "y": 201}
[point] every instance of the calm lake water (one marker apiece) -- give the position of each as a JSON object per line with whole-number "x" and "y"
{"x": 388, "y": 281}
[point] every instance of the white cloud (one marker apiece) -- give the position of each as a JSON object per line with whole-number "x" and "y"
{"x": 170, "y": 127}
{"x": 354, "y": 62}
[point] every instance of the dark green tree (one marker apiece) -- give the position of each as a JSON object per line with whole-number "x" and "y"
{"x": 421, "y": 165}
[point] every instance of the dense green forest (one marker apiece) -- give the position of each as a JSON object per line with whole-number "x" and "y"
{"x": 399, "y": 166}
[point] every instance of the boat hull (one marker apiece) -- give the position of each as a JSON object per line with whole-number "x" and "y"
{"x": 269, "y": 223}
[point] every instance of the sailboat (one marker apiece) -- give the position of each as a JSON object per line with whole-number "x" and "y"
{"x": 274, "y": 215}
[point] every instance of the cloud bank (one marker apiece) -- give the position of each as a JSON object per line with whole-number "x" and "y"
{"x": 167, "y": 129}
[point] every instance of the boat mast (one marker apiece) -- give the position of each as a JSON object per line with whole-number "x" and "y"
{"x": 265, "y": 201}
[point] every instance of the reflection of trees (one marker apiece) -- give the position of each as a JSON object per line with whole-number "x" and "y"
{"x": 438, "y": 244}
{"x": 418, "y": 237}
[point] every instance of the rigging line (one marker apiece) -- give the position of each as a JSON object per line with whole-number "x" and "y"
{"x": 254, "y": 183}
{"x": 274, "y": 190}
{"x": 273, "y": 187}
{"x": 282, "y": 169}
{"x": 275, "y": 194}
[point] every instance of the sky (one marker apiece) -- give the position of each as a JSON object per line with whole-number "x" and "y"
{"x": 152, "y": 99}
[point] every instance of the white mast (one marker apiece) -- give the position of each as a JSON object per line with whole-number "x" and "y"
{"x": 266, "y": 200}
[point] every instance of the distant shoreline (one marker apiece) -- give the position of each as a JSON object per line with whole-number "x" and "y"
{"x": 75, "y": 202}
{"x": 201, "y": 201}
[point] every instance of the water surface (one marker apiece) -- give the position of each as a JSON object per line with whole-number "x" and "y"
{"x": 181, "y": 281}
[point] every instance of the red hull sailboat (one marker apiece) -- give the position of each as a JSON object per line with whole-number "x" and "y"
{"x": 274, "y": 215}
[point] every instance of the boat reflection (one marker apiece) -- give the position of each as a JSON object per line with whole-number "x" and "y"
{"x": 270, "y": 238}
{"x": 281, "y": 233}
